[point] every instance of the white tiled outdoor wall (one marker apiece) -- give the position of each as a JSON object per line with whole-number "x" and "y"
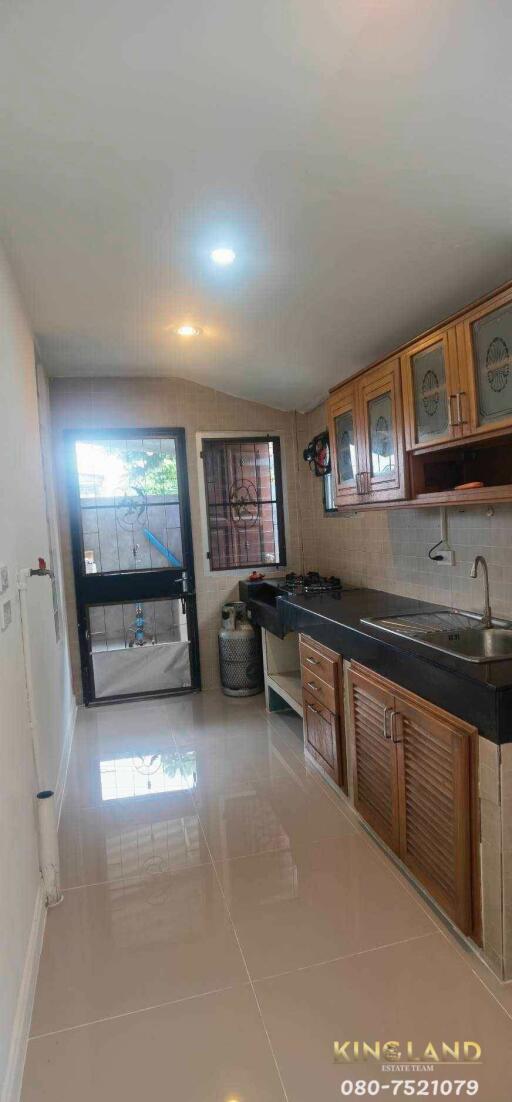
{"x": 151, "y": 403}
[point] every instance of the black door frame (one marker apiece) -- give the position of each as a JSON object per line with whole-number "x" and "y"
{"x": 116, "y": 587}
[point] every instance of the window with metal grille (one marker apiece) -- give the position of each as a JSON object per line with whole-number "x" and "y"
{"x": 244, "y": 502}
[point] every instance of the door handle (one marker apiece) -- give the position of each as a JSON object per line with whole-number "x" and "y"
{"x": 312, "y": 661}
{"x": 313, "y": 687}
{"x": 387, "y": 712}
{"x": 459, "y": 396}
{"x": 451, "y": 423}
{"x": 394, "y": 735}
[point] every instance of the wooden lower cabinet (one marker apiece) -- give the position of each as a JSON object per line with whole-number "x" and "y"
{"x": 322, "y": 738}
{"x": 412, "y": 765}
{"x": 322, "y": 698}
{"x": 374, "y": 757}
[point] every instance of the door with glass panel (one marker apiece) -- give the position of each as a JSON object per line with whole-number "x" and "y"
{"x": 382, "y": 436}
{"x": 133, "y": 563}
{"x": 343, "y": 437}
{"x": 434, "y": 407}
{"x": 485, "y": 341}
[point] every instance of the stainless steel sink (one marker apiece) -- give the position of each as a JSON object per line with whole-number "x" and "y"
{"x": 475, "y": 644}
{"x": 453, "y": 632}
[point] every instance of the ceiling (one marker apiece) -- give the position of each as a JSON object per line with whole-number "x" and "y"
{"x": 357, "y": 155}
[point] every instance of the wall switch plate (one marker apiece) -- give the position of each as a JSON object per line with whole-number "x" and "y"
{"x": 4, "y": 577}
{"x": 445, "y": 557}
{"x": 5, "y": 615}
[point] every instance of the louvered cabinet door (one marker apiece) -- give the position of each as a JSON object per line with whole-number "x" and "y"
{"x": 434, "y": 788}
{"x": 374, "y": 757}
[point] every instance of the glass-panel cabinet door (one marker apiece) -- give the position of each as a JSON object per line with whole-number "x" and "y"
{"x": 381, "y": 430}
{"x": 491, "y": 347}
{"x": 384, "y": 469}
{"x": 431, "y": 391}
{"x": 344, "y": 446}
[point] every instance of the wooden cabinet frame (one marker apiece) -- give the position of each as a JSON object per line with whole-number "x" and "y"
{"x": 355, "y": 396}
{"x": 323, "y": 710}
{"x": 448, "y": 338}
{"x": 380, "y": 808}
{"x": 382, "y": 380}
{"x": 462, "y": 395}
{"x": 434, "y": 826}
{"x": 344, "y": 401}
{"x": 322, "y": 738}
{"x": 468, "y": 369}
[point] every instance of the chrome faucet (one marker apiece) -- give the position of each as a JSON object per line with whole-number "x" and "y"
{"x": 487, "y": 615}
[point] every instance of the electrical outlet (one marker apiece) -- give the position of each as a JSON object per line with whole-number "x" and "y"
{"x": 5, "y": 615}
{"x": 4, "y": 577}
{"x": 445, "y": 557}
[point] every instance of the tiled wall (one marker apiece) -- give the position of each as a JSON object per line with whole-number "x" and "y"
{"x": 130, "y": 403}
{"x": 388, "y": 549}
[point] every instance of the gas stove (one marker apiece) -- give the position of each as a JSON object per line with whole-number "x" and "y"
{"x": 312, "y": 582}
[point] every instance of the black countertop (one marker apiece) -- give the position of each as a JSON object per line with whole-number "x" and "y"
{"x": 480, "y": 693}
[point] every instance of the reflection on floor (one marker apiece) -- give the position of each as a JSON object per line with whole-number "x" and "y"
{"x": 226, "y": 920}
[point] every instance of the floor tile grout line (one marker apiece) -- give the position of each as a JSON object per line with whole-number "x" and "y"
{"x": 139, "y": 1010}
{"x": 141, "y": 878}
{"x": 477, "y": 976}
{"x": 242, "y": 954}
{"x": 414, "y": 893}
{"x": 345, "y": 956}
{"x": 359, "y": 831}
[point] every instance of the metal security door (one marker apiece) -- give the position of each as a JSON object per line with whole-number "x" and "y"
{"x": 133, "y": 563}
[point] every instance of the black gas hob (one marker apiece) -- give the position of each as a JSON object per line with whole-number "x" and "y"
{"x": 312, "y": 582}
{"x": 261, "y": 596}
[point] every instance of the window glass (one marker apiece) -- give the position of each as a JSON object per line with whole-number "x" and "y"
{"x": 244, "y": 502}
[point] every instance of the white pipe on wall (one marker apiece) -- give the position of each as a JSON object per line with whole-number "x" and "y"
{"x": 47, "y": 819}
{"x": 49, "y": 847}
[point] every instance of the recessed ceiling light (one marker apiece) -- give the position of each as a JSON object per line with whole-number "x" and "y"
{"x": 187, "y": 331}
{"x": 223, "y": 256}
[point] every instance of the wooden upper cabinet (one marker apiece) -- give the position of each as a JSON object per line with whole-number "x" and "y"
{"x": 343, "y": 422}
{"x": 374, "y": 760}
{"x": 367, "y": 441}
{"x": 484, "y": 338}
{"x": 433, "y": 404}
{"x": 382, "y": 433}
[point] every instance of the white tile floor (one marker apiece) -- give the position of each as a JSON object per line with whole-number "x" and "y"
{"x": 226, "y": 919}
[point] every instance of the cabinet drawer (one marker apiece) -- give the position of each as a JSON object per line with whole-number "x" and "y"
{"x": 318, "y": 689}
{"x": 315, "y": 662}
{"x": 322, "y": 738}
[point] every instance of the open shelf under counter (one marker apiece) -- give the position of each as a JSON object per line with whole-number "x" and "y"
{"x": 281, "y": 663}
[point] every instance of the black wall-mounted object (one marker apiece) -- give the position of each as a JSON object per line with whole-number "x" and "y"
{"x": 318, "y": 454}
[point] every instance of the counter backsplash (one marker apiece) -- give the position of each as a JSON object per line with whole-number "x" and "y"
{"x": 388, "y": 549}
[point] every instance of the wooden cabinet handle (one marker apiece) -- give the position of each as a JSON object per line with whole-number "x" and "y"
{"x": 394, "y": 734}
{"x": 459, "y": 396}
{"x": 387, "y": 712}
{"x": 451, "y": 423}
